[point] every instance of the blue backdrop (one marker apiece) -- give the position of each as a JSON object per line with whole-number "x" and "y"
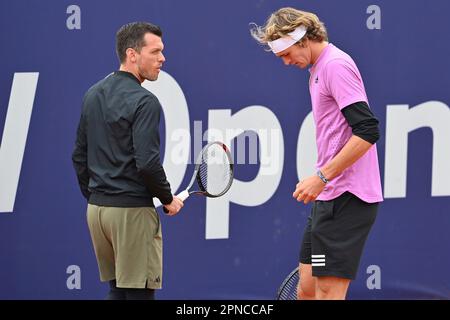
{"x": 402, "y": 50}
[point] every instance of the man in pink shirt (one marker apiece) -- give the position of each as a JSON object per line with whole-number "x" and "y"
{"x": 346, "y": 189}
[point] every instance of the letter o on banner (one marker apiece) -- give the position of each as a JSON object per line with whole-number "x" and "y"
{"x": 176, "y": 115}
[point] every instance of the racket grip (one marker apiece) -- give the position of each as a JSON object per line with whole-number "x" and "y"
{"x": 183, "y": 195}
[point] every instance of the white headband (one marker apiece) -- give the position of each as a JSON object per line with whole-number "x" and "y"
{"x": 287, "y": 41}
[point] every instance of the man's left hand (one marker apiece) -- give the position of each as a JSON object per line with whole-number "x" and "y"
{"x": 309, "y": 189}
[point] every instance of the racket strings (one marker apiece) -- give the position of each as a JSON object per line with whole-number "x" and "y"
{"x": 215, "y": 171}
{"x": 288, "y": 290}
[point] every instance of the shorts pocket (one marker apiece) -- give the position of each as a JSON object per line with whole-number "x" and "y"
{"x": 323, "y": 210}
{"x": 158, "y": 234}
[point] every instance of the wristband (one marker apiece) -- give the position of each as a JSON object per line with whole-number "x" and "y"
{"x": 322, "y": 177}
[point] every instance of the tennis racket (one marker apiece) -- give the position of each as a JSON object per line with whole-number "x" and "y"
{"x": 288, "y": 289}
{"x": 213, "y": 172}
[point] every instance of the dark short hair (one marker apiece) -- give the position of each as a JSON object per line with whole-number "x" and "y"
{"x": 132, "y": 35}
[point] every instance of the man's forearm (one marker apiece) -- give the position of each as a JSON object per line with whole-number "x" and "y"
{"x": 156, "y": 182}
{"x": 354, "y": 149}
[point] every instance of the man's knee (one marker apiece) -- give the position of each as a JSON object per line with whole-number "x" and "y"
{"x": 306, "y": 292}
{"x": 330, "y": 288}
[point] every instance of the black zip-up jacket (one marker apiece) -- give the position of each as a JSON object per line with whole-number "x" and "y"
{"x": 116, "y": 155}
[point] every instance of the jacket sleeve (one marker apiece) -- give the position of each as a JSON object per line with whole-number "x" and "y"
{"x": 79, "y": 158}
{"x": 146, "y": 144}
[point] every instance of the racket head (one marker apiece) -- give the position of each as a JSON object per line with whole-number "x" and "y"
{"x": 223, "y": 172}
{"x": 214, "y": 170}
{"x": 288, "y": 289}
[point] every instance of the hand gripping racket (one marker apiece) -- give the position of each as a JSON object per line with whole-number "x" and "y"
{"x": 213, "y": 172}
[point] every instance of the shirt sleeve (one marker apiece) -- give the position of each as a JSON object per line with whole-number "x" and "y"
{"x": 344, "y": 83}
{"x": 79, "y": 158}
{"x": 363, "y": 122}
{"x": 146, "y": 144}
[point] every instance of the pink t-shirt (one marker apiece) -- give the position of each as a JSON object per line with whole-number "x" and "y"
{"x": 336, "y": 83}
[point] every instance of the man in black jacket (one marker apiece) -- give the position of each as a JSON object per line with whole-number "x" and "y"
{"x": 118, "y": 166}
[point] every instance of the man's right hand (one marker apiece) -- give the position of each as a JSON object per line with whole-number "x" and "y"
{"x": 175, "y": 206}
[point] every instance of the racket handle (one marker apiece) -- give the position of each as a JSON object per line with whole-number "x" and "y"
{"x": 183, "y": 195}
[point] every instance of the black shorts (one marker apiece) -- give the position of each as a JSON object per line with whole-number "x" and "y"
{"x": 335, "y": 234}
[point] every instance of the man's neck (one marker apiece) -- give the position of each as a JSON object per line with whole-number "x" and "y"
{"x": 130, "y": 70}
{"x": 316, "y": 50}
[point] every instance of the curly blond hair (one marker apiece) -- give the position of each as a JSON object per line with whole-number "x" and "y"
{"x": 286, "y": 20}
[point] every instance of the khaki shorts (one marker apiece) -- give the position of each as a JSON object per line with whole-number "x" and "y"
{"x": 128, "y": 245}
